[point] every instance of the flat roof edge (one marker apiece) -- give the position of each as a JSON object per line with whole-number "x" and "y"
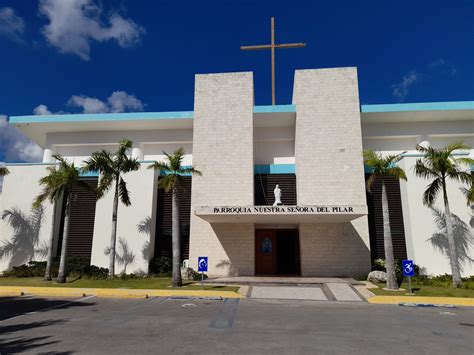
{"x": 93, "y": 117}
{"x": 132, "y": 116}
{"x": 420, "y": 106}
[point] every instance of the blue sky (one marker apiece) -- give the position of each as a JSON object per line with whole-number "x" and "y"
{"x": 117, "y": 55}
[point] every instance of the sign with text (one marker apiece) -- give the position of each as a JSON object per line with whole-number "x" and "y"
{"x": 202, "y": 264}
{"x": 284, "y": 209}
{"x": 408, "y": 268}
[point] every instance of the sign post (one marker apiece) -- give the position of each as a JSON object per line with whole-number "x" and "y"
{"x": 202, "y": 267}
{"x": 408, "y": 271}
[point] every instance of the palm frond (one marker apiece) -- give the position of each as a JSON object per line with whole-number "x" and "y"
{"x": 161, "y": 166}
{"x": 167, "y": 182}
{"x": 190, "y": 171}
{"x": 4, "y": 171}
{"x": 459, "y": 145}
{"x": 101, "y": 161}
{"x": 397, "y": 172}
{"x": 124, "y": 146}
{"x": 423, "y": 170}
{"x": 370, "y": 181}
{"x": 430, "y": 194}
{"x": 15, "y": 218}
{"x": 130, "y": 164}
{"x": 7, "y": 249}
{"x": 123, "y": 192}
{"x": 105, "y": 183}
{"x": 144, "y": 226}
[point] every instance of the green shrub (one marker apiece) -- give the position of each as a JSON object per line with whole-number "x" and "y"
{"x": 132, "y": 276}
{"x": 75, "y": 266}
{"x": 379, "y": 265}
{"x": 195, "y": 276}
{"x": 93, "y": 272}
{"x": 160, "y": 266}
{"x": 31, "y": 269}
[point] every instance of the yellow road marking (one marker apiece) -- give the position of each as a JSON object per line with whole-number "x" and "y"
{"x": 110, "y": 292}
{"x": 458, "y": 301}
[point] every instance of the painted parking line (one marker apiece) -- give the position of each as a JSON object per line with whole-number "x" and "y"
{"x": 47, "y": 308}
{"x": 226, "y": 316}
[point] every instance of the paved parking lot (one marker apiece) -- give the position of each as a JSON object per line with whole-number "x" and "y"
{"x": 158, "y": 325}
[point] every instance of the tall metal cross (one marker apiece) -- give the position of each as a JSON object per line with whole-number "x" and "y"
{"x": 272, "y": 46}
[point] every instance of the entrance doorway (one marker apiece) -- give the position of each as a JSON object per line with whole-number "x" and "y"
{"x": 277, "y": 252}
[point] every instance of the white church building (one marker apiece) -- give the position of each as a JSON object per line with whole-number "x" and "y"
{"x": 328, "y": 224}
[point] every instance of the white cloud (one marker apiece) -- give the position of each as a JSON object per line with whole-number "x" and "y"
{"x": 16, "y": 146}
{"x": 74, "y": 24}
{"x": 443, "y": 64}
{"x": 11, "y": 25}
{"x": 119, "y": 101}
{"x": 400, "y": 90}
{"x": 41, "y": 110}
{"x": 88, "y": 104}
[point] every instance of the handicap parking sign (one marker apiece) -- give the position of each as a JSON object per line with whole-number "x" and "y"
{"x": 408, "y": 268}
{"x": 202, "y": 263}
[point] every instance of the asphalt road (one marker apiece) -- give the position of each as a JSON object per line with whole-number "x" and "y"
{"x": 161, "y": 326}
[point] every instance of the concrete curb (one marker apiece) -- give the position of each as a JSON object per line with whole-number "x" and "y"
{"x": 423, "y": 301}
{"x": 111, "y": 292}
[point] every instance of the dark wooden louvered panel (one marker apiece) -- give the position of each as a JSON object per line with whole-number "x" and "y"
{"x": 81, "y": 220}
{"x": 264, "y": 185}
{"x": 374, "y": 201}
{"x": 163, "y": 246}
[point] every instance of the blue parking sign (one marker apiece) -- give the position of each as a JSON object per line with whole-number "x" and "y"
{"x": 202, "y": 263}
{"x": 408, "y": 268}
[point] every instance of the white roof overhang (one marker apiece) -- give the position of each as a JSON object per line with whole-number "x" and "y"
{"x": 280, "y": 214}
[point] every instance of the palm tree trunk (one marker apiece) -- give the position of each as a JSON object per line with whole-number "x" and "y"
{"x": 62, "y": 263}
{"x": 176, "y": 282}
{"x": 452, "y": 247}
{"x": 113, "y": 237}
{"x": 49, "y": 258}
{"x": 387, "y": 240}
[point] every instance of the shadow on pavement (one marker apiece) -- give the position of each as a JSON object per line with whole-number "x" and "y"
{"x": 16, "y": 306}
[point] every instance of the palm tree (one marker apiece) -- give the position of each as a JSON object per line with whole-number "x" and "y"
{"x": 439, "y": 165}
{"x": 173, "y": 181}
{"x": 4, "y": 171}
{"x": 111, "y": 167}
{"x": 383, "y": 168}
{"x": 59, "y": 182}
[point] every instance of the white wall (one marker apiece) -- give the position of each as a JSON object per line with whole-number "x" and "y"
{"x": 274, "y": 145}
{"x": 393, "y": 138}
{"x": 20, "y": 188}
{"x": 143, "y": 193}
{"x": 420, "y": 225}
{"x": 78, "y": 146}
{"x": 155, "y": 151}
{"x": 77, "y": 153}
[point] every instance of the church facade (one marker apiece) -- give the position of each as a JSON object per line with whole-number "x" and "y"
{"x": 327, "y": 224}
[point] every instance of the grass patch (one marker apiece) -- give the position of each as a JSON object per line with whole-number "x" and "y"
{"x": 437, "y": 290}
{"x": 139, "y": 283}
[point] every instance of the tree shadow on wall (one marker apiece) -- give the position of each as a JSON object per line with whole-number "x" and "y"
{"x": 144, "y": 227}
{"x": 124, "y": 256}
{"x": 24, "y": 244}
{"x": 463, "y": 238}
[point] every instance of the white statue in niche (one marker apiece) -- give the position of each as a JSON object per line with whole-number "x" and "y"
{"x": 277, "y": 193}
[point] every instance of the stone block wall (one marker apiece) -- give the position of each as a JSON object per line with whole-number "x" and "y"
{"x": 223, "y": 152}
{"x": 330, "y": 170}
